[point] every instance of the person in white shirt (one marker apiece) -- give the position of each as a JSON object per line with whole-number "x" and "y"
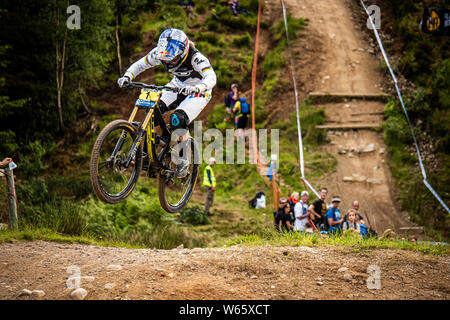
{"x": 301, "y": 212}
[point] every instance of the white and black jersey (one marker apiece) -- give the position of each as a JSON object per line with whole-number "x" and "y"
{"x": 195, "y": 69}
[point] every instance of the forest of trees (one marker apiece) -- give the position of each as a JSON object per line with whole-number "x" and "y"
{"x": 45, "y": 67}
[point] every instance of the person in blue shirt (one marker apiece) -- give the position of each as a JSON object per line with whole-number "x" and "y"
{"x": 334, "y": 216}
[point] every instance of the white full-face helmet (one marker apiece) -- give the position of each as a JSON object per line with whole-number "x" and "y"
{"x": 172, "y": 48}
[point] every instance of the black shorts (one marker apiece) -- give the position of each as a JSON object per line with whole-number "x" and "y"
{"x": 242, "y": 122}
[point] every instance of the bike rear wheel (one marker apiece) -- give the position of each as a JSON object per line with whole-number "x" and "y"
{"x": 175, "y": 193}
{"x": 111, "y": 179}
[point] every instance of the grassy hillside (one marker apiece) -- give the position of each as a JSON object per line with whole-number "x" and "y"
{"x": 424, "y": 60}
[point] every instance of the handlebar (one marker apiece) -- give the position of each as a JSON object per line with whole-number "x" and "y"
{"x": 133, "y": 85}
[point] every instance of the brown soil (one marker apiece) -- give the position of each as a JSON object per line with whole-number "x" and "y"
{"x": 221, "y": 273}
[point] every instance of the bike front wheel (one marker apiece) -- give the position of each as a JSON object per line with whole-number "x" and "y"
{"x": 175, "y": 193}
{"x": 112, "y": 178}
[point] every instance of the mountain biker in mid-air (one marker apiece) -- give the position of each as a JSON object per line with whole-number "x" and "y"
{"x": 193, "y": 75}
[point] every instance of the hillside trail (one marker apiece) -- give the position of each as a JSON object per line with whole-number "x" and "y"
{"x": 348, "y": 74}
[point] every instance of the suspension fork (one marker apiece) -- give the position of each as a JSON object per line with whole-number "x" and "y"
{"x": 138, "y": 140}
{"x": 123, "y": 135}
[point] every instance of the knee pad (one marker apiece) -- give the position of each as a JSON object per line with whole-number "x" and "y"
{"x": 179, "y": 120}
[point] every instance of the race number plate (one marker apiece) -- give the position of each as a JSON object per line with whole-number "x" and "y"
{"x": 147, "y": 98}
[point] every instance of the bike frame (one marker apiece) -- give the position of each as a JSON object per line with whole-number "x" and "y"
{"x": 152, "y": 119}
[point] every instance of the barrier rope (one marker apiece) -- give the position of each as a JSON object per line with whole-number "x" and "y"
{"x": 422, "y": 168}
{"x": 297, "y": 106}
{"x": 254, "y": 71}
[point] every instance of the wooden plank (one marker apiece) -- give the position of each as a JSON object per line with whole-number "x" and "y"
{"x": 326, "y": 97}
{"x": 350, "y": 126}
{"x": 367, "y": 114}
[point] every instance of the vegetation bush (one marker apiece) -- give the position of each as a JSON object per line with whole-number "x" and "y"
{"x": 194, "y": 215}
{"x": 243, "y": 41}
{"x": 425, "y": 61}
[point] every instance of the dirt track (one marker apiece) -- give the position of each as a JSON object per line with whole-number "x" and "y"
{"x": 221, "y": 273}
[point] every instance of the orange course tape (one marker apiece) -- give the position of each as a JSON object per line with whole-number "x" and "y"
{"x": 254, "y": 70}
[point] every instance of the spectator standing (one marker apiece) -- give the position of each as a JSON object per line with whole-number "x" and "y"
{"x": 209, "y": 182}
{"x": 301, "y": 212}
{"x": 241, "y": 110}
{"x": 351, "y": 225}
{"x": 334, "y": 216}
{"x": 319, "y": 211}
{"x": 234, "y": 6}
{"x": 231, "y": 98}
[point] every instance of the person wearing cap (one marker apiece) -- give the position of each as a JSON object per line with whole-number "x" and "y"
{"x": 301, "y": 212}
{"x": 209, "y": 182}
{"x": 231, "y": 98}
{"x": 334, "y": 216}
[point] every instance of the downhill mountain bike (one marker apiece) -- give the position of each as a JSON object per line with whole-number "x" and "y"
{"x": 124, "y": 148}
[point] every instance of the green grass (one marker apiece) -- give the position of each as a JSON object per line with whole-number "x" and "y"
{"x": 317, "y": 163}
{"x": 31, "y": 234}
{"x": 296, "y": 239}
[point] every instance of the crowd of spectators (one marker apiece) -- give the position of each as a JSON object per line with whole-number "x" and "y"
{"x": 295, "y": 214}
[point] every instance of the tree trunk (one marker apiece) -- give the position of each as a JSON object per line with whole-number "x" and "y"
{"x": 57, "y": 65}
{"x": 119, "y": 58}
{"x": 82, "y": 100}
{"x": 60, "y": 68}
